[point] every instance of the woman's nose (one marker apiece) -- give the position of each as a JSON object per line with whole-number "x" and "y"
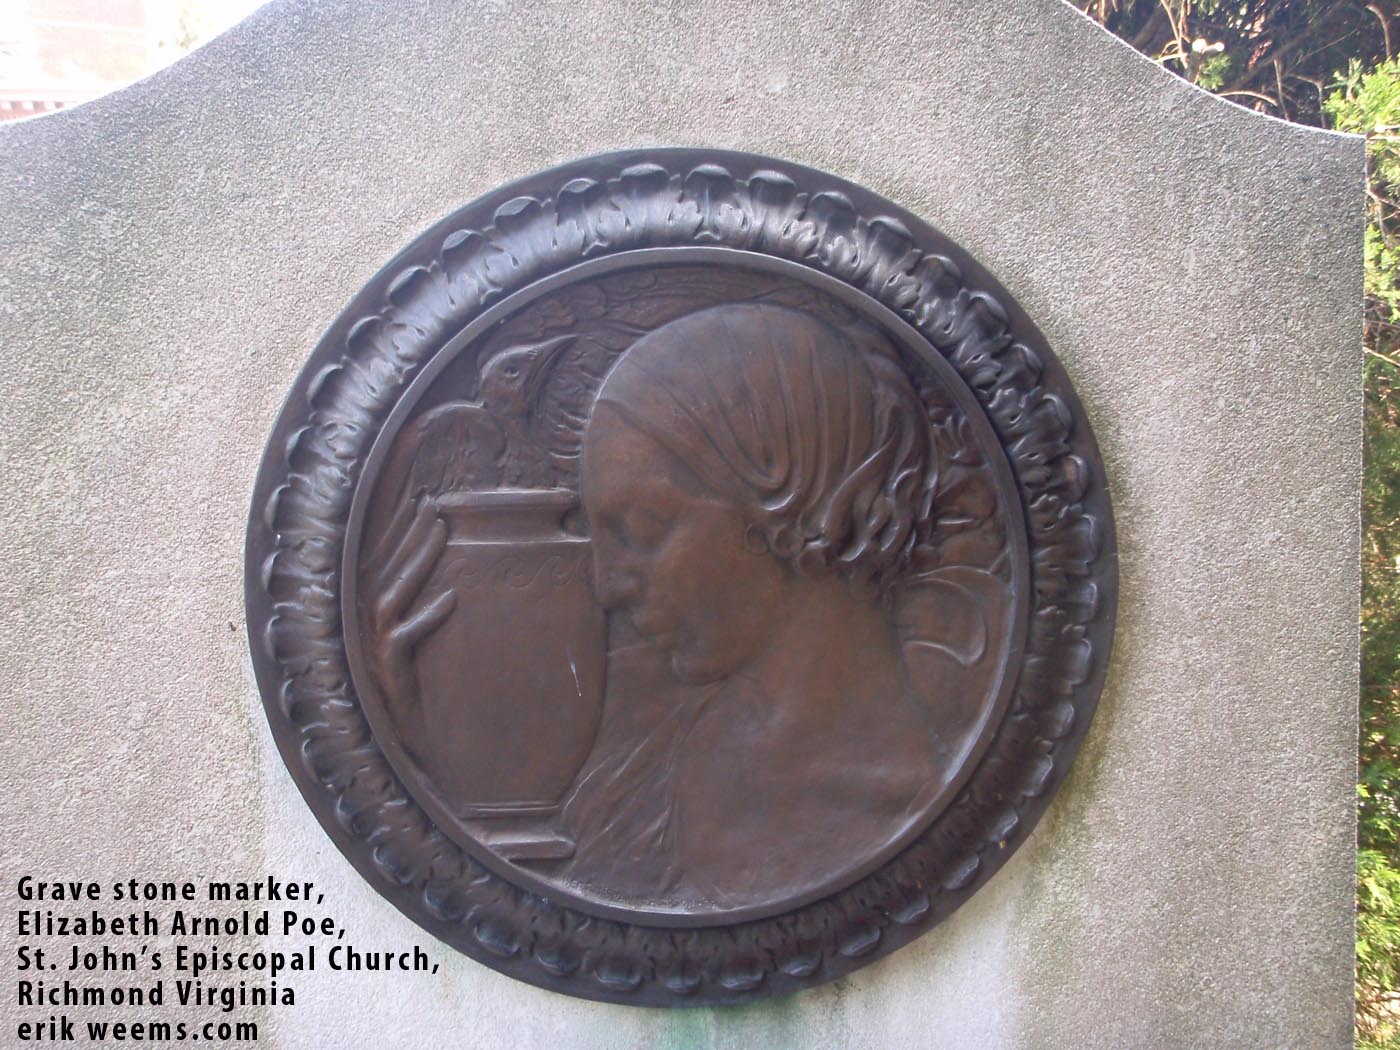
{"x": 613, "y": 583}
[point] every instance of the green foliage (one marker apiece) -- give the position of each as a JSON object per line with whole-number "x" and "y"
{"x": 1276, "y": 56}
{"x": 1367, "y": 102}
{"x": 1383, "y": 280}
{"x": 1377, "y": 950}
{"x": 1328, "y": 63}
{"x": 1214, "y": 72}
{"x": 1378, "y": 803}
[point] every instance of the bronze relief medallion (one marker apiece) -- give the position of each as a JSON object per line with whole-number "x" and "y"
{"x": 680, "y": 577}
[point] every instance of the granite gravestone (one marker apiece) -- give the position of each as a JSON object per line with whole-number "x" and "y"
{"x": 176, "y": 249}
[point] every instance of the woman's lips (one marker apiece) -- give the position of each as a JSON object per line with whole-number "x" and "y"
{"x": 658, "y": 635}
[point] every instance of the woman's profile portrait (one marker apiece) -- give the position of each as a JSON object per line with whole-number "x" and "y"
{"x": 725, "y": 645}
{"x": 757, "y": 490}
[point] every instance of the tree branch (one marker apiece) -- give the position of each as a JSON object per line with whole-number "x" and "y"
{"x": 1178, "y": 31}
{"x": 1254, "y": 94}
{"x": 1260, "y": 63}
{"x": 1149, "y": 30}
{"x": 1376, "y": 9}
{"x": 1384, "y": 357}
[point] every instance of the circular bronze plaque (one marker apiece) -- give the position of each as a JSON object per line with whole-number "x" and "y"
{"x": 680, "y": 577}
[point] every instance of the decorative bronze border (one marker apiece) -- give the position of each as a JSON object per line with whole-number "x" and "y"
{"x": 530, "y": 230}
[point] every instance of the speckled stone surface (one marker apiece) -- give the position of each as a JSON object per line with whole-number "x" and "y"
{"x": 173, "y": 251}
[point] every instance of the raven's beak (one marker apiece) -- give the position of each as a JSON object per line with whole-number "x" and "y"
{"x": 545, "y": 356}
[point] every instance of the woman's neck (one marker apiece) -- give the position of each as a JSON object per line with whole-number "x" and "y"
{"x": 834, "y": 657}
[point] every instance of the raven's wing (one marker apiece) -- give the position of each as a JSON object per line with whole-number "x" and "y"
{"x": 452, "y": 447}
{"x": 459, "y": 448}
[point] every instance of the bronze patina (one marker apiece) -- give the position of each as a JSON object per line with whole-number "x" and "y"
{"x": 680, "y": 577}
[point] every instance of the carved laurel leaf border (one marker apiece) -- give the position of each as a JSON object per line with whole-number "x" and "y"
{"x": 501, "y": 243}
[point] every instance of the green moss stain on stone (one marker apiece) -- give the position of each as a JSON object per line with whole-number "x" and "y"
{"x": 791, "y": 1022}
{"x": 1059, "y": 874}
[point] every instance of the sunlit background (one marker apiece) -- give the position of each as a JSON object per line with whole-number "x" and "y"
{"x": 57, "y": 53}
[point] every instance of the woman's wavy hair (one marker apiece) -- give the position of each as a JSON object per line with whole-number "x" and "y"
{"x": 822, "y": 445}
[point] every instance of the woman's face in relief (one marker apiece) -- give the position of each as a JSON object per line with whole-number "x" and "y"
{"x": 671, "y": 554}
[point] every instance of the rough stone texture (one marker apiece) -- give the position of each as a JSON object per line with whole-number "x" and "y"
{"x": 174, "y": 250}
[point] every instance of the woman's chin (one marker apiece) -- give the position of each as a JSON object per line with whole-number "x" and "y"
{"x": 695, "y": 669}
